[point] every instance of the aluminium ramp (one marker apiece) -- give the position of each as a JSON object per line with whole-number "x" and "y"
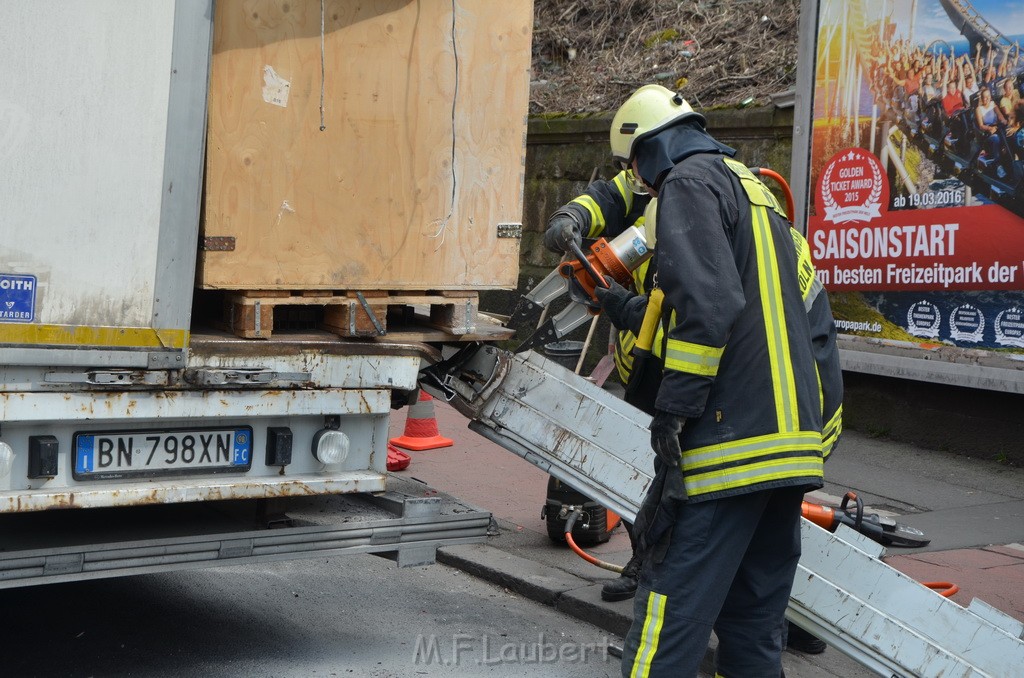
{"x": 843, "y": 592}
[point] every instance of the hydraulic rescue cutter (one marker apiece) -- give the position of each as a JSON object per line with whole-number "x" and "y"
{"x": 615, "y": 259}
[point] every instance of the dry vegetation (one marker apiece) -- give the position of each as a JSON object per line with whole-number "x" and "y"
{"x": 588, "y": 55}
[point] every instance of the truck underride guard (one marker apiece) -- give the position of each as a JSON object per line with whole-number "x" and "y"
{"x": 66, "y": 545}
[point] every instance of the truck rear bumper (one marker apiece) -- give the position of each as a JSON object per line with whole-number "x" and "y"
{"x": 181, "y": 490}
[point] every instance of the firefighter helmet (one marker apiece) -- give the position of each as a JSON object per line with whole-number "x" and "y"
{"x": 648, "y": 110}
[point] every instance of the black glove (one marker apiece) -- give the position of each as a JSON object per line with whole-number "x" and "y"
{"x": 665, "y": 430}
{"x": 563, "y": 229}
{"x": 624, "y": 309}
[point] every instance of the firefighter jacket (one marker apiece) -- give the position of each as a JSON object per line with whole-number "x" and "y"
{"x": 739, "y": 349}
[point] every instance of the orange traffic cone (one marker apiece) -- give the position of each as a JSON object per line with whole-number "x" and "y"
{"x": 397, "y": 460}
{"x": 421, "y": 427}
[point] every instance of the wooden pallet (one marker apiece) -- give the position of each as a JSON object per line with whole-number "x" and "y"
{"x": 257, "y": 314}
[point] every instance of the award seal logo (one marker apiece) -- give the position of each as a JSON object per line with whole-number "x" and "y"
{"x": 924, "y": 320}
{"x": 853, "y": 187}
{"x": 966, "y": 323}
{"x": 1009, "y": 327}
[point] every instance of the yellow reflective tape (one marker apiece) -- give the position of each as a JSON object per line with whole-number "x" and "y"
{"x": 739, "y": 169}
{"x": 763, "y": 472}
{"x": 620, "y": 181}
{"x": 821, "y": 390}
{"x": 836, "y": 420}
{"x": 640, "y": 275}
{"x": 596, "y": 215}
{"x": 783, "y": 379}
{"x": 749, "y": 448}
{"x": 682, "y": 356}
{"x": 804, "y": 265}
{"x": 653, "y": 621}
{"x": 43, "y": 336}
{"x": 624, "y": 342}
{"x": 829, "y": 442}
{"x": 755, "y": 189}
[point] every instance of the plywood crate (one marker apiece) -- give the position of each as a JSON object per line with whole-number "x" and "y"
{"x": 384, "y": 153}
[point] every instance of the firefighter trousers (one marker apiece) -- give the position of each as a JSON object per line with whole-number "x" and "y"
{"x": 729, "y": 568}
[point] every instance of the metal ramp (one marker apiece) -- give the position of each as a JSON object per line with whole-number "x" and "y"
{"x": 588, "y": 438}
{"x": 46, "y": 547}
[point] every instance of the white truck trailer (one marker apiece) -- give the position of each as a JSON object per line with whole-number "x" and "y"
{"x": 143, "y": 429}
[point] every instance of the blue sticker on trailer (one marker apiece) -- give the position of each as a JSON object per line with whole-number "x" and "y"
{"x": 17, "y": 298}
{"x": 86, "y": 457}
{"x": 242, "y": 442}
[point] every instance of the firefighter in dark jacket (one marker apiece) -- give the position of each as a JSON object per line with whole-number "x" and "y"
{"x": 748, "y": 407}
{"x": 607, "y": 208}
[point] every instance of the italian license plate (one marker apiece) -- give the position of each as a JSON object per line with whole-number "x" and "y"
{"x": 122, "y": 454}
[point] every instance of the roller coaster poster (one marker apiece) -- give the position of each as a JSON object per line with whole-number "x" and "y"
{"x": 916, "y": 211}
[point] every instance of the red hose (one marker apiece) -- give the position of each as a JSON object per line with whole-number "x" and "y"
{"x": 943, "y": 588}
{"x": 569, "y": 524}
{"x": 771, "y": 174}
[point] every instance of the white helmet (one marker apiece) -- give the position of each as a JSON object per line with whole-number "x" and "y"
{"x": 648, "y": 110}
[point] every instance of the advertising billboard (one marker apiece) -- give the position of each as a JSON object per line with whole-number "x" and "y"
{"x": 915, "y": 178}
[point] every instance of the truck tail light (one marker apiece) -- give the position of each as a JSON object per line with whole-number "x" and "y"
{"x": 6, "y": 459}
{"x": 330, "y": 446}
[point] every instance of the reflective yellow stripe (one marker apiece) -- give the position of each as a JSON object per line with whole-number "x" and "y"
{"x": 749, "y": 448}
{"x": 821, "y": 390}
{"x": 749, "y": 465}
{"x": 829, "y": 441}
{"x": 783, "y": 380}
{"x": 682, "y": 356}
{"x": 640, "y": 275}
{"x": 756, "y": 191}
{"x": 831, "y": 432}
{"x": 836, "y": 420}
{"x": 805, "y": 269}
{"x": 596, "y": 215}
{"x": 43, "y": 336}
{"x": 752, "y": 474}
{"x": 627, "y": 195}
{"x": 624, "y": 342}
{"x": 649, "y": 636}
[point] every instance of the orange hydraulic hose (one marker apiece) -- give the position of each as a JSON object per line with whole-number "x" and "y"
{"x": 943, "y": 588}
{"x": 771, "y": 174}
{"x": 569, "y": 524}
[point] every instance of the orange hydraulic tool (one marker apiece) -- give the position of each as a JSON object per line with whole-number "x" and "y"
{"x": 615, "y": 259}
{"x": 883, "y": 530}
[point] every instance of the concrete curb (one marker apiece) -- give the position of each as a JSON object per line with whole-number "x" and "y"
{"x": 566, "y": 592}
{"x": 575, "y": 596}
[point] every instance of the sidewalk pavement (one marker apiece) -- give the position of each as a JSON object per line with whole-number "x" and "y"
{"x": 971, "y": 509}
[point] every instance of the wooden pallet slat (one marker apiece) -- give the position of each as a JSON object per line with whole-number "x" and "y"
{"x": 365, "y": 313}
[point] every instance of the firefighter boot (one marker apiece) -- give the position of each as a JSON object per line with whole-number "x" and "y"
{"x": 624, "y": 587}
{"x": 802, "y": 641}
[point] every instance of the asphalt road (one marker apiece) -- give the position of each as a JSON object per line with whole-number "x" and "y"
{"x": 356, "y": 615}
